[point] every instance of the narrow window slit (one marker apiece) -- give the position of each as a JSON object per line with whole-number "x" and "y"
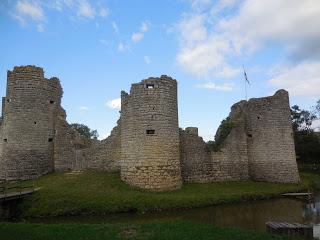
{"x": 150, "y": 131}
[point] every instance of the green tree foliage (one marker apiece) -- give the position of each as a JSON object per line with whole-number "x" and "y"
{"x": 301, "y": 119}
{"x": 222, "y": 133}
{"x": 307, "y": 143}
{"x": 85, "y": 131}
{"x": 317, "y": 109}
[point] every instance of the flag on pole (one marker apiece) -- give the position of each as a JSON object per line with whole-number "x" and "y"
{"x": 245, "y": 76}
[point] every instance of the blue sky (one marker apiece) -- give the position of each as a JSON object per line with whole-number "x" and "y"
{"x": 98, "y": 48}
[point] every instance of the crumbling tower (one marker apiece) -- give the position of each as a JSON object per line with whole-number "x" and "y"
{"x": 28, "y": 122}
{"x": 271, "y": 152}
{"x": 150, "y": 135}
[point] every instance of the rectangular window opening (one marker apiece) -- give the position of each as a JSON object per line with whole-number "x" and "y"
{"x": 150, "y": 131}
{"x": 249, "y": 135}
{"x": 51, "y": 102}
{"x": 150, "y": 86}
{"x": 50, "y": 139}
{"x": 5, "y": 140}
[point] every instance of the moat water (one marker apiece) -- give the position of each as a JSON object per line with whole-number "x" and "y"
{"x": 249, "y": 215}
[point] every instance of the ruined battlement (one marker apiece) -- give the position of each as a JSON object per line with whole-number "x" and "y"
{"x": 147, "y": 145}
{"x": 30, "y": 118}
{"x": 29, "y": 70}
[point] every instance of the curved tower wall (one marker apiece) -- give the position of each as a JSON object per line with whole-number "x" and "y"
{"x": 150, "y": 135}
{"x": 28, "y": 125}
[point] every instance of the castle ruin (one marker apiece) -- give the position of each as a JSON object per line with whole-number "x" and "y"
{"x": 147, "y": 146}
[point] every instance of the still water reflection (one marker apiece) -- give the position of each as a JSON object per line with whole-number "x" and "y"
{"x": 251, "y": 215}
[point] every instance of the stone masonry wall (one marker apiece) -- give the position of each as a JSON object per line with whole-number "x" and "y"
{"x": 260, "y": 146}
{"x": 28, "y": 122}
{"x": 150, "y": 156}
{"x": 102, "y": 155}
{"x": 35, "y": 136}
{"x": 232, "y": 157}
{"x": 270, "y": 139}
{"x": 64, "y": 149}
{"x": 196, "y": 162}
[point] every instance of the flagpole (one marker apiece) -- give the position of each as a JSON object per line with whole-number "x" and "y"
{"x": 245, "y": 83}
{"x": 245, "y": 89}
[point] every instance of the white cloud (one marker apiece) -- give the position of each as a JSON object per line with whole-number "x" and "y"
{"x": 83, "y": 109}
{"x": 299, "y": 80}
{"x": 114, "y": 104}
{"x": 316, "y": 125}
{"x": 29, "y": 9}
{"x": 40, "y": 28}
{"x": 145, "y": 26}
{"x": 123, "y": 47}
{"x": 20, "y": 19}
{"x": 85, "y": 9}
{"x": 228, "y": 72}
{"x": 104, "y": 12}
{"x": 115, "y": 27}
{"x": 147, "y": 59}
{"x": 208, "y": 40}
{"x": 104, "y": 42}
{"x": 226, "y": 87}
{"x": 138, "y": 36}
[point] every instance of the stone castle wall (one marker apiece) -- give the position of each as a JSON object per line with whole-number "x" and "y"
{"x": 196, "y": 160}
{"x": 102, "y": 155}
{"x": 150, "y": 156}
{"x": 147, "y": 145}
{"x": 29, "y": 122}
{"x": 232, "y": 157}
{"x": 34, "y": 132}
{"x": 260, "y": 145}
{"x": 271, "y": 152}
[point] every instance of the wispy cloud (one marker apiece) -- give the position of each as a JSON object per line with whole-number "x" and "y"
{"x": 300, "y": 80}
{"x": 114, "y": 104}
{"x": 83, "y": 109}
{"x": 226, "y": 87}
{"x": 30, "y": 9}
{"x": 138, "y": 36}
{"x": 104, "y": 12}
{"x": 104, "y": 42}
{"x": 147, "y": 59}
{"x": 209, "y": 38}
{"x": 123, "y": 47}
{"x": 85, "y": 10}
{"x": 115, "y": 27}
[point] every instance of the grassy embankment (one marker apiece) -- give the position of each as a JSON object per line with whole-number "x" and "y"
{"x": 101, "y": 193}
{"x": 159, "y": 231}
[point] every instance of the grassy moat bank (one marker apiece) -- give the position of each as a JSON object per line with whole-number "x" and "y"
{"x": 98, "y": 193}
{"x": 160, "y": 230}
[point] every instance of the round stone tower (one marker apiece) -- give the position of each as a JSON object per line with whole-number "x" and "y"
{"x": 28, "y": 124}
{"x": 150, "y": 135}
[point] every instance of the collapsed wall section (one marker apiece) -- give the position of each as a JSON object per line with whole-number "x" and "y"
{"x": 260, "y": 144}
{"x": 64, "y": 147}
{"x": 102, "y": 155}
{"x": 231, "y": 156}
{"x": 270, "y": 139}
{"x": 196, "y": 163}
{"x": 150, "y": 156}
